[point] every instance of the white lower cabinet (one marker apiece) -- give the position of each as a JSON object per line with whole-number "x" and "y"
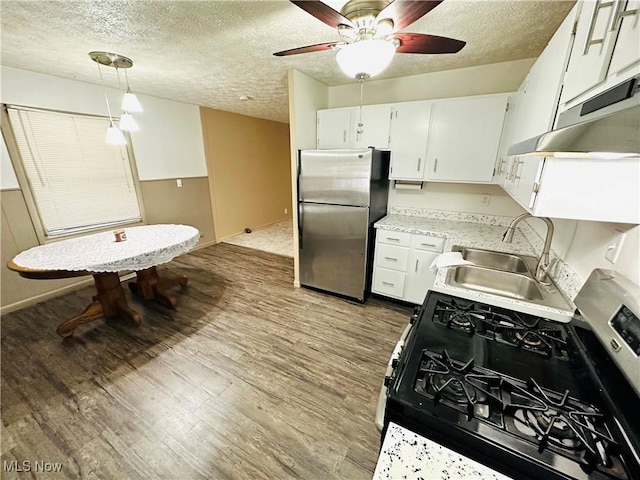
{"x": 402, "y": 262}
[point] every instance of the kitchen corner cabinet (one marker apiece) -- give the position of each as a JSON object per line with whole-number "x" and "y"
{"x": 464, "y": 136}
{"x": 340, "y": 127}
{"x": 578, "y": 189}
{"x": 606, "y": 45}
{"x": 409, "y": 134}
{"x": 401, "y": 264}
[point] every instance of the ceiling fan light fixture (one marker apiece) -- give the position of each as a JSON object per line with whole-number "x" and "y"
{"x": 365, "y": 58}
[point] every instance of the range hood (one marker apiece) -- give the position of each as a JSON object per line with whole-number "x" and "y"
{"x": 605, "y": 126}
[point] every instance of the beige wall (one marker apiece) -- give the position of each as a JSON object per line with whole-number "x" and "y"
{"x": 190, "y": 204}
{"x": 248, "y": 162}
{"x": 163, "y": 203}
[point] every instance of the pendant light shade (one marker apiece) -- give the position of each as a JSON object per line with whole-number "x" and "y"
{"x": 365, "y": 58}
{"x": 128, "y": 123}
{"x": 114, "y": 136}
{"x": 130, "y": 102}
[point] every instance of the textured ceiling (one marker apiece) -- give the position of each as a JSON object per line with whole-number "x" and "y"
{"x": 211, "y": 52}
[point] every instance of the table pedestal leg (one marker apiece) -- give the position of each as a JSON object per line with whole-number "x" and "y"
{"x": 150, "y": 286}
{"x": 109, "y": 302}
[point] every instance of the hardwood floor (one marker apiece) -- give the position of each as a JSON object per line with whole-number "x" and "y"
{"x": 247, "y": 378}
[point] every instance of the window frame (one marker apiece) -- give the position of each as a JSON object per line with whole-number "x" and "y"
{"x": 25, "y": 186}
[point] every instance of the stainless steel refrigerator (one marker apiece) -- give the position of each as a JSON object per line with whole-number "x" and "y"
{"x": 341, "y": 194}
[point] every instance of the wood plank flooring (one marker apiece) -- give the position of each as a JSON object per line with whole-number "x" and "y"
{"x": 247, "y": 378}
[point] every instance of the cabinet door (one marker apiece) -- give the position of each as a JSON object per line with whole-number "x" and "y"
{"x": 334, "y": 128}
{"x": 374, "y": 128}
{"x": 592, "y": 48}
{"x": 419, "y": 277}
{"x": 464, "y": 137}
{"x": 627, "y": 49}
{"x": 409, "y": 133}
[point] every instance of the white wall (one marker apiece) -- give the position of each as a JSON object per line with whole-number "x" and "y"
{"x": 306, "y": 95}
{"x": 169, "y": 143}
{"x": 479, "y": 80}
{"x": 8, "y": 180}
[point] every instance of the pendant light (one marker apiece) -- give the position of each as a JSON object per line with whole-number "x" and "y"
{"x": 114, "y": 135}
{"x": 130, "y": 102}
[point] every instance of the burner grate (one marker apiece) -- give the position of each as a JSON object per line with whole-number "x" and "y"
{"x": 549, "y": 420}
{"x": 520, "y": 331}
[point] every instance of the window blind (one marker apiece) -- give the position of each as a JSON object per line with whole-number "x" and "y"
{"x": 78, "y": 182}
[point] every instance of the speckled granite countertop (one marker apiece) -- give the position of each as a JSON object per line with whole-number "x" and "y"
{"x": 406, "y": 455}
{"x": 477, "y": 235}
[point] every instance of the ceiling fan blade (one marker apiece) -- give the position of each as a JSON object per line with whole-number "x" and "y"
{"x": 318, "y": 47}
{"x": 323, "y": 12}
{"x": 422, "y": 43}
{"x": 404, "y": 13}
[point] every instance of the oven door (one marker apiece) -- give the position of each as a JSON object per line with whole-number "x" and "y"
{"x": 391, "y": 366}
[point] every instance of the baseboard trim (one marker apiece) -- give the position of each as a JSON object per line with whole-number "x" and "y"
{"x": 27, "y": 302}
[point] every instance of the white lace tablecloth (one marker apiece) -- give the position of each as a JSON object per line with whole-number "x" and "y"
{"x": 146, "y": 246}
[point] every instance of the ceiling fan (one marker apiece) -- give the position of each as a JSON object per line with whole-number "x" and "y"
{"x": 369, "y": 33}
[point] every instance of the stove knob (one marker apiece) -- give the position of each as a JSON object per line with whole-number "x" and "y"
{"x": 387, "y": 381}
{"x": 416, "y": 310}
{"x": 413, "y": 319}
{"x": 394, "y": 363}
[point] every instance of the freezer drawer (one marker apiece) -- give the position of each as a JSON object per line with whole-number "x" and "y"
{"x": 333, "y": 248}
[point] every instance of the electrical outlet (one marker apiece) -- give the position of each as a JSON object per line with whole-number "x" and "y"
{"x": 286, "y": 210}
{"x": 613, "y": 249}
{"x": 179, "y": 182}
{"x": 485, "y": 199}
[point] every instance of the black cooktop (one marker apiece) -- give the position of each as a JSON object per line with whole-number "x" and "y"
{"x": 507, "y": 389}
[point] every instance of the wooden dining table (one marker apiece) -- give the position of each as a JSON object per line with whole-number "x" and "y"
{"x": 100, "y": 255}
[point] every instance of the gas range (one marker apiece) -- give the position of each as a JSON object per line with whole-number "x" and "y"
{"x": 519, "y": 393}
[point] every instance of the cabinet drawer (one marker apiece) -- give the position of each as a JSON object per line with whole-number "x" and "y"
{"x": 388, "y": 282}
{"x": 392, "y": 256}
{"x": 430, "y": 244}
{"x": 394, "y": 238}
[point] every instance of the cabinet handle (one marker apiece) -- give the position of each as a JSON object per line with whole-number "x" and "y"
{"x": 417, "y": 265}
{"x": 388, "y": 284}
{"x": 393, "y": 239}
{"x": 419, "y": 163}
{"x": 518, "y": 172}
{"x": 592, "y": 26}
{"x": 428, "y": 245}
{"x": 619, "y": 14}
{"x": 435, "y": 165}
{"x": 500, "y": 170}
{"x": 391, "y": 259}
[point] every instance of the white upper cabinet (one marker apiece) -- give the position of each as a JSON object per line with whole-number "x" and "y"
{"x": 334, "y": 128}
{"x": 373, "y": 129}
{"x": 606, "y": 48}
{"x": 464, "y": 136}
{"x": 409, "y": 133}
{"x": 627, "y": 50}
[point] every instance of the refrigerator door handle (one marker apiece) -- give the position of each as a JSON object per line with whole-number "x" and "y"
{"x": 300, "y": 220}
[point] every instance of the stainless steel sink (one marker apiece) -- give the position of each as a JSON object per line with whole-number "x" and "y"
{"x": 498, "y": 282}
{"x": 491, "y": 259}
{"x": 504, "y": 274}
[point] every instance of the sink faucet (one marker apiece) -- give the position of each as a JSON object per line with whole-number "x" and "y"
{"x": 544, "y": 263}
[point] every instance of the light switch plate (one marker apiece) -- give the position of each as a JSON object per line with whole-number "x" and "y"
{"x": 179, "y": 182}
{"x": 613, "y": 249}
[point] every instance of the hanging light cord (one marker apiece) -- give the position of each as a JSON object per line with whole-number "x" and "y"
{"x": 359, "y": 131}
{"x": 104, "y": 89}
